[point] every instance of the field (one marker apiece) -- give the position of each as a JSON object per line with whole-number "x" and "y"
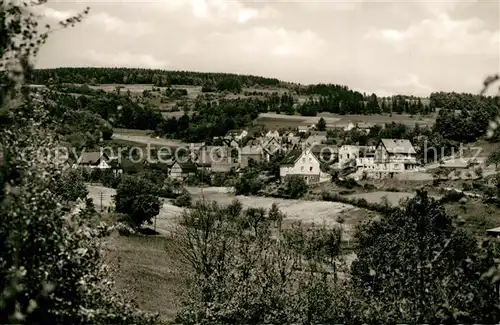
{"x": 376, "y": 197}
{"x": 147, "y": 271}
{"x": 308, "y": 212}
{"x": 273, "y": 120}
{"x": 141, "y": 137}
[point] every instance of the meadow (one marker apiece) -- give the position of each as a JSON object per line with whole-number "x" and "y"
{"x": 273, "y": 120}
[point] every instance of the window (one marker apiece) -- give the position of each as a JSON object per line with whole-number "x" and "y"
{"x": 301, "y": 168}
{"x": 310, "y": 159}
{"x": 304, "y": 159}
{"x": 310, "y": 169}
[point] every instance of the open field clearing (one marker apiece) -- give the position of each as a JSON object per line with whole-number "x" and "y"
{"x": 392, "y": 197}
{"x": 147, "y": 271}
{"x": 309, "y": 212}
{"x": 166, "y": 221}
{"x": 130, "y": 131}
{"x": 273, "y": 120}
{"x": 145, "y": 140}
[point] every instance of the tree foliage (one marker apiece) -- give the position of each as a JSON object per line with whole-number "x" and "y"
{"x": 137, "y": 197}
{"x": 417, "y": 266}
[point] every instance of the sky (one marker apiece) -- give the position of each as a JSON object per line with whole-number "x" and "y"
{"x": 382, "y": 47}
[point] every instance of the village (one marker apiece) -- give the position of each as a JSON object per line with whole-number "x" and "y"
{"x": 305, "y": 151}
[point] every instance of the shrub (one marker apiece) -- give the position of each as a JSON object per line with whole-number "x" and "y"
{"x": 295, "y": 187}
{"x": 348, "y": 183}
{"x": 452, "y": 196}
{"x": 183, "y": 200}
{"x": 70, "y": 186}
{"x": 467, "y": 186}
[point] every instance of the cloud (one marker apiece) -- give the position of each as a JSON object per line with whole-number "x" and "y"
{"x": 410, "y": 81}
{"x": 125, "y": 59}
{"x": 115, "y": 25}
{"x": 100, "y": 20}
{"x": 391, "y": 47}
{"x": 335, "y": 5}
{"x": 275, "y": 42}
{"x": 218, "y": 12}
{"x": 441, "y": 36}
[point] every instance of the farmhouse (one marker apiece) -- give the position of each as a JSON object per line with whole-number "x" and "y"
{"x": 182, "y": 170}
{"x": 250, "y": 154}
{"x": 395, "y": 156}
{"x": 93, "y": 160}
{"x": 303, "y": 163}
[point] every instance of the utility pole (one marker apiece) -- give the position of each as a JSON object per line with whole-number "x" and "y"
{"x": 101, "y": 194}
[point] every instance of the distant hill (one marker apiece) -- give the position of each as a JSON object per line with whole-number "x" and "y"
{"x": 143, "y": 76}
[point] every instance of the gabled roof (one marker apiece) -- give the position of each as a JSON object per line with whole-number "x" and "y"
{"x": 292, "y": 157}
{"x": 91, "y": 157}
{"x": 187, "y": 167}
{"x": 398, "y": 146}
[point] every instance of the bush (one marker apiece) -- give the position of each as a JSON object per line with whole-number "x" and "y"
{"x": 467, "y": 186}
{"x": 242, "y": 275}
{"x": 183, "y": 200}
{"x": 70, "y": 186}
{"x": 348, "y": 183}
{"x": 295, "y": 187}
{"x": 452, "y": 196}
{"x": 110, "y": 179}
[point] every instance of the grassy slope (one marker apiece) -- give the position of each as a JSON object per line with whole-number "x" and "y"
{"x": 148, "y": 273}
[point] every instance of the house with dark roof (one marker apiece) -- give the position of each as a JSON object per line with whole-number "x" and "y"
{"x": 183, "y": 169}
{"x": 303, "y": 163}
{"x": 92, "y": 160}
{"x": 394, "y": 156}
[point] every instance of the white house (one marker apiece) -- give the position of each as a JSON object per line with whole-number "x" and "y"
{"x": 303, "y": 163}
{"x": 395, "y": 156}
{"x": 366, "y": 158}
{"x": 348, "y": 155}
{"x": 93, "y": 160}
